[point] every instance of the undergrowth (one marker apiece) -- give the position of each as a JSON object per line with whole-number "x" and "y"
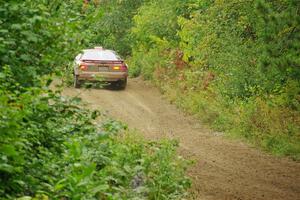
{"x": 258, "y": 121}
{"x": 53, "y": 148}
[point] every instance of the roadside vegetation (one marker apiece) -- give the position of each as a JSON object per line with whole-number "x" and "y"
{"x": 51, "y": 147}
{"x": 234, "y": 64}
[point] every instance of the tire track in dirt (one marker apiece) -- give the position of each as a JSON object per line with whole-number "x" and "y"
{"x": 223, "y": 169}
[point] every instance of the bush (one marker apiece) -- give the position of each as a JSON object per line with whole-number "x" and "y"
{"x": 45, "y": 38}
{"x": 52, "y": 147}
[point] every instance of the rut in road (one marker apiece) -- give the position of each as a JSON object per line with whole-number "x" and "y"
{"x": 223, "y": 169}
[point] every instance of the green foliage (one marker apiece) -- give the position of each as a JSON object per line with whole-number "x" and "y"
{"x": 113, "y": 29}
{"x": 35, "y": 123}
{"x": 40, "y": 37}
{"x": 101, "y": 165}
{"x": 154, "y": 34}
{"x": 147, "y": 64}
{"x": 50, "y": 146}
{"x": 156, "y": 19}
{"x": 234, "y": 63}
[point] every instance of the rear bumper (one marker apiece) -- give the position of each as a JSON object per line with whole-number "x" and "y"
{"x": 102, "y": 76}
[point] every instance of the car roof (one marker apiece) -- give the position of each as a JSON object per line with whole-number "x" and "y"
{"x": 100, "y": 54}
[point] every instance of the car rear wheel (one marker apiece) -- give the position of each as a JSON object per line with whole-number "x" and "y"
{"x": 77, "y": 83}
{"x": 121, "y": 84}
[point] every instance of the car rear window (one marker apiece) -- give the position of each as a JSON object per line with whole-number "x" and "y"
{"x": 100, "y": 55}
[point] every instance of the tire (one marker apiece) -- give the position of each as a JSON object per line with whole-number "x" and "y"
{"x": 77, "y": 83}
{"x": 123, "y": 84}
{"x": 119, "y": 85}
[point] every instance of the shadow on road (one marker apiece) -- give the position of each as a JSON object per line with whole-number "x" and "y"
{"x": 102, "y": 86}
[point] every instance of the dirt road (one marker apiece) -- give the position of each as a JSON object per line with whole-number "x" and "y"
{"x": 224, "y": 169}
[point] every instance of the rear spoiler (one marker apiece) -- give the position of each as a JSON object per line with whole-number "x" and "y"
{"x": 104, "y": 61}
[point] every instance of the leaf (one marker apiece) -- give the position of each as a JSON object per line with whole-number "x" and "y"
{"x": 4, "y": 31}
{"x": 9, "y": 150}
{"x": 99, "y": 188}
{"x": 36, "y": 19}
{"x": 32, "y": 38}
{"x": 16, "y": 26}
{"x": 60, "y": 184}
{"x": 88, "y": 170}
{"x": 25, "y": 57}
{"x": 25, "y": 198}
{"x": 6, "y": 168}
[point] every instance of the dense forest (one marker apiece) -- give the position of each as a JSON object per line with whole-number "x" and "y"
{"x": 234, "y": 64}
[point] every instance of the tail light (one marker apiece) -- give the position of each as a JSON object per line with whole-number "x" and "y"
{"x": 116, "y": 67}
{"x": 123, "y": 67}
{"x": 83, "y": 67}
